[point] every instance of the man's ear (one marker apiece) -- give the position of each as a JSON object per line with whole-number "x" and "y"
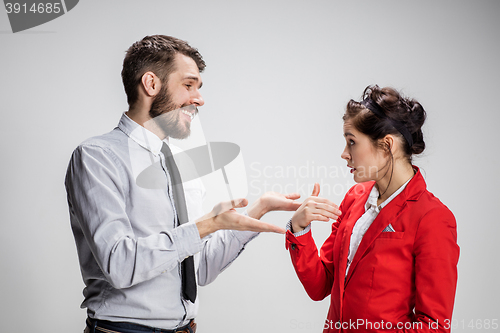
{"x": 151, "y": 84}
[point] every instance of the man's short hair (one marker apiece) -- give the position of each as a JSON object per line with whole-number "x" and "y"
{"x": 156, "y": 54}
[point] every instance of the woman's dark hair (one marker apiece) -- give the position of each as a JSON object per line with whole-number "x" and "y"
{"x": 397, "y": 111}
{"x": 154, "y": 53}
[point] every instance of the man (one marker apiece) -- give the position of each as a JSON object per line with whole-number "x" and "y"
{"x": 129, "y": 209}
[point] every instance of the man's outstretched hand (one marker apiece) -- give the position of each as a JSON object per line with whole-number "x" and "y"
{"x": 224, "y": 216}
{"x": 271, "y": 201}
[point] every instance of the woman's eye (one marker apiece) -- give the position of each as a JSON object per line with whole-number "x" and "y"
{"x": 351, "y": 142}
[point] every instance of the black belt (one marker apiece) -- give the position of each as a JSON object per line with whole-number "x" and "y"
{"x": 105, "y": 326}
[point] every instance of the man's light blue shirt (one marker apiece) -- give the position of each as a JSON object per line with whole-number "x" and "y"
{"x": 123, "y": 220}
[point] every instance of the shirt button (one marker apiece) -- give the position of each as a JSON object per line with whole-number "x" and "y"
{"x": 294, "y": 246}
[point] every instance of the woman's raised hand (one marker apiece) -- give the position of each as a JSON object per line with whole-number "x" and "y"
{"x": 314, "y": 209}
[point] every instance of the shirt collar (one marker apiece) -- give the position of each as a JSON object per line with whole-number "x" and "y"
{"x": 140, "y": 135}
{"x": 373, "y": 197}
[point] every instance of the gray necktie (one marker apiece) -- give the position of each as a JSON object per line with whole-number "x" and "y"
{"x": 188, "y": 273}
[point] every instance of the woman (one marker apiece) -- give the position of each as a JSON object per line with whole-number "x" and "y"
{"x": 390, "y": 263}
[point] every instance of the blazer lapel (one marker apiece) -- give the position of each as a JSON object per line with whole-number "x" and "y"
{"x": 355, "y": 213}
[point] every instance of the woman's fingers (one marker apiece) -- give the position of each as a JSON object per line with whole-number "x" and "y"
{"x": 315, "y": 190}
{"x": 315, "y": 209}
{"x": 319, "y": 217}
{"x": 325, "y": 216}
{"x": 327, "y": 208}
{"x": 323, "y": 204}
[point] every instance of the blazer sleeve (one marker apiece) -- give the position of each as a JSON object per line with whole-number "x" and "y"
{"x": 314, "y": 271}
{"x": 436, "y": 256}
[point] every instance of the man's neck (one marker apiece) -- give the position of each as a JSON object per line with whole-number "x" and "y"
{"x": 141, "y": 116}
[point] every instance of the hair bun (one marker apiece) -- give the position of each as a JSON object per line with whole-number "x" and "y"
{"x": 415, "y": 119}
{"x": 405, "y": 110}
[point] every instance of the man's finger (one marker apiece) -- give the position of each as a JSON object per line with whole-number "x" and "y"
{"x": 241, "y": 202}
{"x": 294, "y": 205}
{"x": 292, "y": 196}
{"x": 225, "y": 206}
{"x": 251, "y": 224}
{"x": 236, "y": 203}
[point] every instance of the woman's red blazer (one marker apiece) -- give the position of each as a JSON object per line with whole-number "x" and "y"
{"x": 402, "y": 281}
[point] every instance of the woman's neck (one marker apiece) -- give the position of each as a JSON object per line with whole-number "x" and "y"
{"x": 402, "y": 172}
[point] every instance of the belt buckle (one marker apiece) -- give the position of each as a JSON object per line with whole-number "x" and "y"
{"x": 189, "y": 327}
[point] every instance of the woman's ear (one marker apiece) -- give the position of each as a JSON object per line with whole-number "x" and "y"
{"x": 389, "y": 142}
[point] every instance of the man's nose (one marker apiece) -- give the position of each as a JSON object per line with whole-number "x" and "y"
{"x": 197, "y": 99}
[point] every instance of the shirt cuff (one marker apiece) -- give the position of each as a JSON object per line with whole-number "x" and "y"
{"x": 300, "y": 233}
{"x": 187, "y": 239}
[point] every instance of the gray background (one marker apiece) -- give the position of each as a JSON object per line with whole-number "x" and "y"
{"x": 278, "y": 78}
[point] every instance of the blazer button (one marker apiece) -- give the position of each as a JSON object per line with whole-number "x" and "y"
{"x": 294, "y": 247}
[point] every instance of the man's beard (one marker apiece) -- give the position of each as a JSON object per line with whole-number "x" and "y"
{"x": 167, "y": 115}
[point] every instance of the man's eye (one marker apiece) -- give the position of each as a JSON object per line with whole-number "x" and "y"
{"x": 188, "y": 85}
